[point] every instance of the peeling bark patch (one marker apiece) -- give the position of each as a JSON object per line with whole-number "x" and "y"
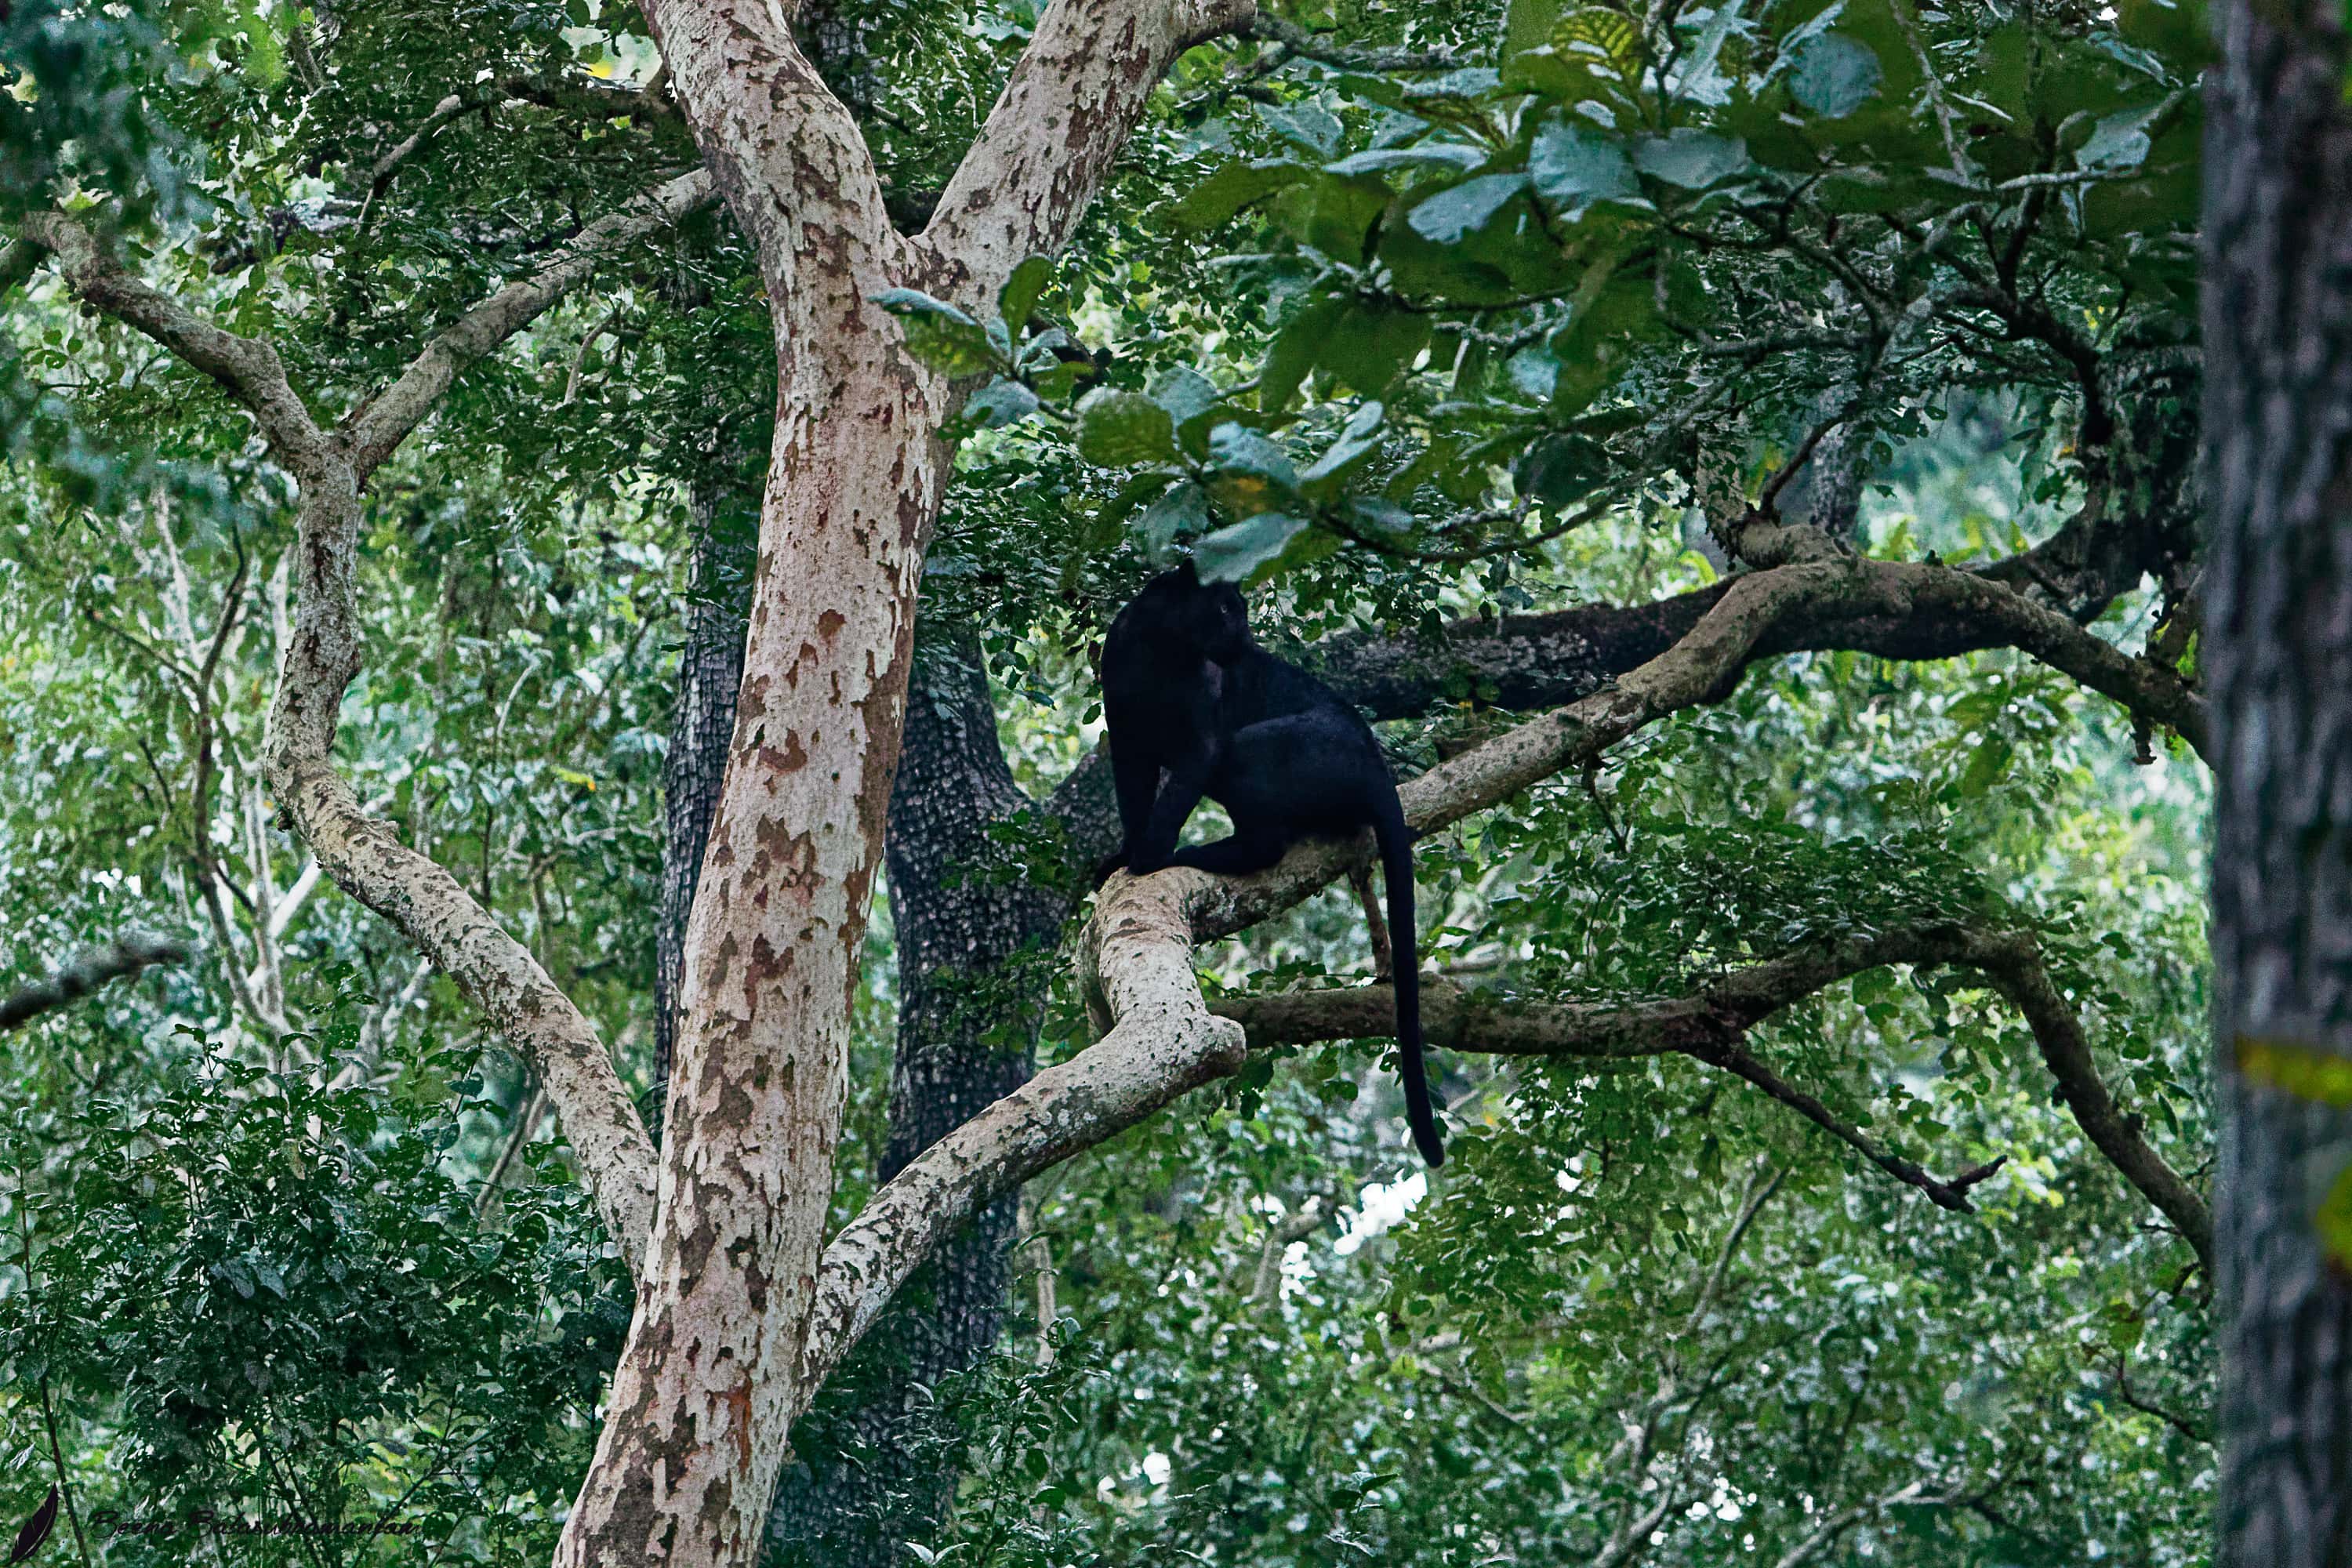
{"x": 790, "y": 760}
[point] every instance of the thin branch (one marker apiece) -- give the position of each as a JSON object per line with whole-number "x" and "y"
{"x": 377, "y": 427}
{"x": 1268, "y": 29}
{"x": 1761, "y": 1184}
{"x": 2195, "y": 1431}
{"x": 118, "y": 959}
{"x": 379, "y": 176}
{"x": 1709, "y": 1026}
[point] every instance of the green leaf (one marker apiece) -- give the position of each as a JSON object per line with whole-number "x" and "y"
{"x": 1599, "y": 31}
{"x": 999, "y": 403}
{"x": 1118, "y": 428}
{"x": 1562, "y": 469}
{"x": 1185, "y": 392}
{"x": 1370, "y": 342}
{"x": 1528, "y": 23}
{"x": 1019, "y": 296}
{"x": 1232, "y": 187}
{"x": 1835, "y": 75}
{"x": 1572, "y": 168}
{"x": 1690, "y": 158}
{"x": 1429, "y": 154}
{"x": 2117, "y": 142}
{"x": 1357, "y": 440}
{"x": 1232, "y": 554}
{"x": 1181, "y": 509}
{"x": 1450, "y": 216}
{"x": 1380, "y": 517}
{"x": 1294, "y": 352}
{"x": 938, "y": 333}
{"x": 1986, "y": 766}
{"x": 1315, "y": 129}
{"x": 1252, "y": 474}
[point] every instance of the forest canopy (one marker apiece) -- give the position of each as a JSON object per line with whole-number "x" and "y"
{"x": 555, "y": 999}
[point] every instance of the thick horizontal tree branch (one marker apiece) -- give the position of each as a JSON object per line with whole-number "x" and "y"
{"x": 1710, "y": 1023}
{"x": 1139, "y": 941}
{"x": 123, "y": 957}
{"x": 1268, "y": 29}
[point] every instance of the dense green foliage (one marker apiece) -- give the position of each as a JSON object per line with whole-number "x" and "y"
{"x": 1510, "y": 314}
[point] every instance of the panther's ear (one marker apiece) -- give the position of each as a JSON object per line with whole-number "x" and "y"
{"x": 1185, "y": 568}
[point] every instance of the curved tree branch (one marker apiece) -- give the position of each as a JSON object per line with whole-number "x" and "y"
{"x": 1136, "y": 957}
{"x": 363, "y": 856}
{"x": 375, "y": 429}
{"x": 1710, "y": 1023}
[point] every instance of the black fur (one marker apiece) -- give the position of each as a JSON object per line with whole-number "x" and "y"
{"x": 1188, "y": 691}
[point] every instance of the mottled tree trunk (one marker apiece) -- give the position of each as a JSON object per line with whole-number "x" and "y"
{"x": 975, "y": 957}
{"x": 2278, "y": 401}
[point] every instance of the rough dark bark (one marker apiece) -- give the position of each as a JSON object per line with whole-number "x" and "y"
{"x": 2278, "y": 401}
{"x": 975, "y": 959}
{"x": 709, "y": 668}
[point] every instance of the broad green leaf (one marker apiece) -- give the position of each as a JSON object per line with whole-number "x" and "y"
{"x": 1357, "y": 440}
{"x": 2117, "y": 142}
{"x": 1562, "y": 469}
{"x": 1118, "y": 428}
{"x": 939, "y": 335}
{"x": 1294, "y": 352}
{"x": 1314, "y": 128}
{"x": 1528, "y": 23}
{"x": 999, "y": 403}
{"x": 1234, "y": 187}
{"x": 1451, "y": 214}
{"x": 1429, "y": 154}
{"x": 1690, "y": 158}
{"x": 1249, "y": 473}
{"x": 1019, "y": 296}
{"x": 1232, "y": 554}
{"x": 1371, "y": 342}
{"x": 1835, "y": 75}
{"x": 1573, "y": 168}
{"x": 1181, "y": 509}
{"x": 1608, "y": 34}
{"x": 1185, "y": 392}
{"x": 1380, "y": 517}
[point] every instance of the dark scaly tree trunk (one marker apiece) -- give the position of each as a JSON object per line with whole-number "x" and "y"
{"x": 975, "y": 958}
{"x": 2278, "y": 402}
{"x": 709, "y": 668}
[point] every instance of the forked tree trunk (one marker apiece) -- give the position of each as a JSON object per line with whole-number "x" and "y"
{"x": 2278, "y": 401}
{"x": 720, "y": 1360}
